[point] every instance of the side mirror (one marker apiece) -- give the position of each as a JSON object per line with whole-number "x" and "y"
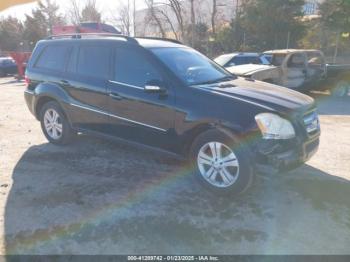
{"x": 154, "y": 86}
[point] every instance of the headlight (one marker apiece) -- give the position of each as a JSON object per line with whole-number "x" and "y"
{"x": 273, "y": 126}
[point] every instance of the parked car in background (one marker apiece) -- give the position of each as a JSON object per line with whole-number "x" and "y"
{"x": 7, "y": 66}
{"x": 166, "y": 95}
{"x": 299, "y": 69}
{"x": 236, "y": 59}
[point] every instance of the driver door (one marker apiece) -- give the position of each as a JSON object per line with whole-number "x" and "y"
{"x": 136, "y": 114}
{"x": 295, "y": 71}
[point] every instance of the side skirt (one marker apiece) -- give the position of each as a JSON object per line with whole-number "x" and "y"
{"x": 131, "y": 143}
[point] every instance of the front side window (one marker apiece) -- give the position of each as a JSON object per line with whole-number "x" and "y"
{"x": 191, "y": 66}
{"x": 93, "y": 61}
{"x": 296, "y": 61}
{"x": 133, "y": 68}
{"x": 53, "y": 57}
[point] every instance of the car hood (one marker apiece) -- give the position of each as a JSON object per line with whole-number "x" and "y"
{"x": 243, "y": 70}
{"x": 268, "y": 96}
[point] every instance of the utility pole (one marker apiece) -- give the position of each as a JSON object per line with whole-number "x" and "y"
{"x": 134, "y": 17}
{"x": 336, "y": 48}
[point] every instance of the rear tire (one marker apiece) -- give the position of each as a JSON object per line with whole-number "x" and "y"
{"x": 2, "y": 73}
{"x": 228, "y": 170}
{"x": 55, "y": 125}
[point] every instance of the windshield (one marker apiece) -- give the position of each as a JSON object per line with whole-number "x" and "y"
{"x": 264, "y": 60}
{"x": 223, "y": 59}
{"x": 191, "y": 66}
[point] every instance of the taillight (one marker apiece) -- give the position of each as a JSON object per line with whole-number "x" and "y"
{"x": 27, "y": 81}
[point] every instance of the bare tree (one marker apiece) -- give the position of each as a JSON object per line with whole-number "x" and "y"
{"x": 74, "y": 12}
{"x": 90, "y": 12}
{"x": 124, "y": 18}
{"x": 193, "y": 22}
{"x": 176, "y": 7}
{"x": 153, "y": 14}
{"x": 169, "y": 22}
{"x": 134, "y": 16}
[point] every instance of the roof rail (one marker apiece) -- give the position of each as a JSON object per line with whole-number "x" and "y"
{"x": 81, "y": 35}
{"x": 160, "y": 38}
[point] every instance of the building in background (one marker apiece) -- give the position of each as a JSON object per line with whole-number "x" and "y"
{"x": 311, "y": 7}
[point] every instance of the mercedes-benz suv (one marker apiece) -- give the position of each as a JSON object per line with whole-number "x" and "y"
{"x": 166, "y": 95}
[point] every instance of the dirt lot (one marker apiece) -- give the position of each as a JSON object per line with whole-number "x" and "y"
{"x": 98, "y": 197}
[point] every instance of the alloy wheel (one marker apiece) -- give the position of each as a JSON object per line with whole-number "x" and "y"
{"x": 53, "y": 124}
{"x": 218, "y": 164}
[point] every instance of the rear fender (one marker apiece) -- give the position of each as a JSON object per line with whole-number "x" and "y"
{"x": 50, "y": 91}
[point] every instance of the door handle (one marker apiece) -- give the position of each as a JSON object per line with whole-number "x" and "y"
{"x": 115, "y": 96}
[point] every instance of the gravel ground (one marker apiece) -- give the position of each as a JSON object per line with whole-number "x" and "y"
{"x": 98, "y": 197}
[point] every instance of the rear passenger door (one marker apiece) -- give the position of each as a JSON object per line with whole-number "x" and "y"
{"x": 138, "y": 115}
{"x": 86, "y": 81}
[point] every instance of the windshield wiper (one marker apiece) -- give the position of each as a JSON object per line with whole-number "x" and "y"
{"x": 221, "y": 79}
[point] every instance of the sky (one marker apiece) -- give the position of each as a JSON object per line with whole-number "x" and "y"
{"x": 105, "y": 6}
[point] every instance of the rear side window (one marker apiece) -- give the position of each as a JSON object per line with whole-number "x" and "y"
{"x": 53, "y": 57}
{"x": 132, "y": 67}
{"x": 93, "y": 61}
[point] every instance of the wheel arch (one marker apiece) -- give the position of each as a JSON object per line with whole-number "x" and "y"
{"x": 199, "y": 129}
{"x": 47, "y": 92}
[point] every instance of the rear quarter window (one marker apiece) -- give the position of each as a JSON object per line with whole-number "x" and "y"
{"x": 53, "y": 57}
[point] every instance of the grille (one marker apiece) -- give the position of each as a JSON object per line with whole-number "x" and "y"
{"x": 311, "y": 123}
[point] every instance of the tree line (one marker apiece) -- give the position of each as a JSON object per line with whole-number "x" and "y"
{"x": 255, "y": 25}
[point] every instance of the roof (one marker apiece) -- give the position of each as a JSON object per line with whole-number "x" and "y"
{"x": 240, "y": 54}
{"x": 288, "y": 51}
{"x": 150, "y": 42}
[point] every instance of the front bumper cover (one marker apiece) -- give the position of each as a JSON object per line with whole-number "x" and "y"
{"x": 283, "y": 157}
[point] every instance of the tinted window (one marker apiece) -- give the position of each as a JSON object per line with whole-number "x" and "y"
{"x": 133, "y": 68}
{"x": 53, "y": 57}
{"x": 94, "y": 61}
{"x": 73, "y": 58}
{"x": 243, "y": 60}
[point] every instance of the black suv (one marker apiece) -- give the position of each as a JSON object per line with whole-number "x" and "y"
{"x": 166, "y": 95}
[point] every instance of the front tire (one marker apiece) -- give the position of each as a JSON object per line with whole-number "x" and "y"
{"x": 55, "y": 125}
{"x": 221, "y": 163}
{"x": 341, "y": 89}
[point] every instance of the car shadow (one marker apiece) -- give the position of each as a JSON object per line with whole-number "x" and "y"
{"x": 97, "y": 197}
{"x": 13, "y": 81}
{"x": 329, "y": 105}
